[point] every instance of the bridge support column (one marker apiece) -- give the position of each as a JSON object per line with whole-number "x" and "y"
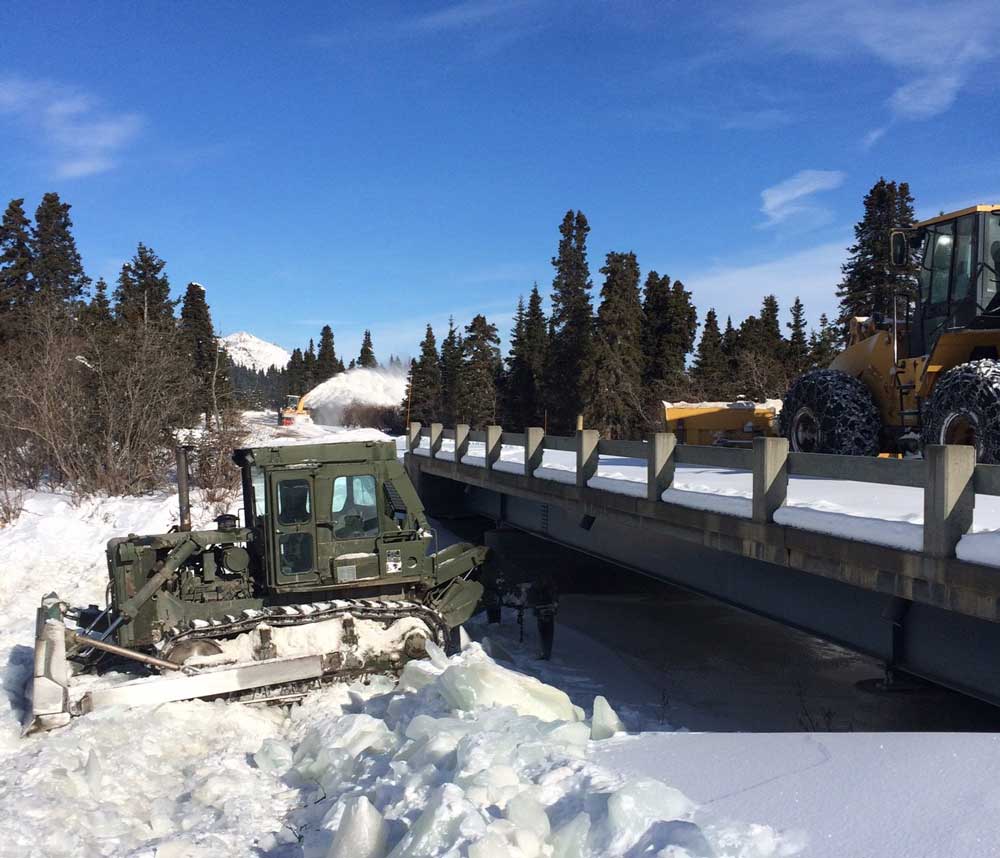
{"x": 949, "y": 497}
{"x": 661, "y": 464}
{"x": 461, "y": 441}
{"x": 770, "y": 477}
{"x": 436, "y": 438}
{"x": 586, "y": 455}
{"x": 534, "y": 449}
{"x": 413, "y": 438}
{"x": 493, "y": 434}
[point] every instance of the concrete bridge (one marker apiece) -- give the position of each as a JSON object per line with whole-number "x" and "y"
{"x": 919, "y": 609}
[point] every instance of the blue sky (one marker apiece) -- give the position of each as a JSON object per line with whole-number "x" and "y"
{"x": 381, "y": 165}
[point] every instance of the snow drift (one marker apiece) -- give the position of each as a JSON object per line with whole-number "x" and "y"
{"x": 383, "y": 387}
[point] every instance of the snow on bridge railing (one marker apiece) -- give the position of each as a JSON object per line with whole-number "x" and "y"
{"x": 948, "y": 475}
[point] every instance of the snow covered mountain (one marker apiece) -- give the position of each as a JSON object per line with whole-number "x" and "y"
{"x": 254, "y": 353}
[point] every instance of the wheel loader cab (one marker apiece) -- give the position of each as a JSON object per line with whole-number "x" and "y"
{"x": 958, "y": 278}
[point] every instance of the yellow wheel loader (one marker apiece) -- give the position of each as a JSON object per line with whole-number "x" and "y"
{"x": 929, "y": 375}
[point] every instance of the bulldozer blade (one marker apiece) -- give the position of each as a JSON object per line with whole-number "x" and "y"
{"x": 167, "y": 689}
{"x": 49, "y": 690}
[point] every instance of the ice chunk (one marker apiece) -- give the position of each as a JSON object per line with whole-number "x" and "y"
{"x": 491, "y": 846}
{"x": 605, "y": 722}
{"x": 483, "y": 683}
{"x": 436, "y": 655}
{"x": 416, "y": 674}
{"x": 463, "y": 638}
{"x": 570, "y": 841}
{"x": 274, "y": 756}
{"x": 362, "y": 831}
{"x": 637, "y": 805}
{"x": 525, "y": 812}
{"x": 438, "y": 827}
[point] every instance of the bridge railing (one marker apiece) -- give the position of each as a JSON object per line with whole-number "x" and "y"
{"x": 948, "y": 475}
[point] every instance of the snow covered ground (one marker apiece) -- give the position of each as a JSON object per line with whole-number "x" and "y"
{"x": 868, "y": 512}
{"x": 463, "y": 757}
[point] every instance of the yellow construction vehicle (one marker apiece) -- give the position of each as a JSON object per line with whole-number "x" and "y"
{"x": 721, "y": 423}
{"x": 294, "y": 411}
{"x": 928, "y": 375}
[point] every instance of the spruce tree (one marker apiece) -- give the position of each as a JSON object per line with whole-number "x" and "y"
{"x": 17, "y": 288}
{"x": 614, "y": 378}
{"x": 142, "y": 297}
{"x": 669, "y": 330}
{"x": 423, "y": 384}
{"x": 201, "y": 352}
{"x": 309, "y": 377}
{"x": 97, "y": 314}
{"x": 868, "y": 284}
{"x": 327, "y": 364}
{"x": 481, "y": 351}
{"x": 824, "y": 343}
{"x": 452, "y": 377}
{"x": 511, "y": 392}
{"x": 761, "y": 335}
{"x": 295, "y": 374}
{"x": 570, "y": 346}
{"x": 367, "y": 356}
{"x": 797, "y": 349}
{"x": 56, "y": 264}
{"x": 711, "y": 369}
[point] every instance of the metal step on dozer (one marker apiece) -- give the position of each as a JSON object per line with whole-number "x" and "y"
{"x": 331, "y": 578}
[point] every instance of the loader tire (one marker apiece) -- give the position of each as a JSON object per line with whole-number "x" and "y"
{"x": 829, "y": 411}
{"x": 964, "y": 408}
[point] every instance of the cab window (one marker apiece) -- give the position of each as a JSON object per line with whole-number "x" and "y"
{"x": 935, "y": 272}
{"x": 259, "y": 491}
{"x": 964, "y": 266}
{"x": 295, "y": 551}
{"x": 294, "y": 503}
{"x": 992, "y": 273}
{"x": 354, "y": 510}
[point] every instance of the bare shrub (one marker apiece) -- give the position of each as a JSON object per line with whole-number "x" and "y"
{"x": 89, "y": 409}
{"x": 388, "y": 418}
{"x": 214, "y": 471}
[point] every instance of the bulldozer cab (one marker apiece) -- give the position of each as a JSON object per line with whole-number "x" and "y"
{"x": 333, "y": 519}
{"x": 958, "y": 274}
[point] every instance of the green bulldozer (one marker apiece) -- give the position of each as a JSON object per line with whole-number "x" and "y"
{"x": 330, "y": 577}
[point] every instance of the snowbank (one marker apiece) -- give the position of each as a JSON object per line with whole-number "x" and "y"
{"x": 383, "y": 387}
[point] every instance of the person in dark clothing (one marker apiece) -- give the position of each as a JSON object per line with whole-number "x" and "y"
{"x": 543, "y": 597}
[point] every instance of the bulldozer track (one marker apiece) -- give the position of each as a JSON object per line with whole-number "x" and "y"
{"x": 380, "y": 610}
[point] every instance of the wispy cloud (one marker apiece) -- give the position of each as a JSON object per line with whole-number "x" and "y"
{"x": 933, "y": 48}
{"x": 480, "y": 28}
{"x": 736, "y": 290}
{"x": 757, "y": 120}
{"x": 82, "y": 137}
{"x": 462, "y": 15}
{"x": 790, "y": 197}
{"x": 873, "y": 136}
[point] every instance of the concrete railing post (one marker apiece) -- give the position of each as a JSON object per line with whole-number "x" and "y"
{"x": 461, "y": 441}
{"x": 586, "y": 455}
{"x": 661, "y": 464}
{"x": 436, "y": 438}
{"x": 534, "y": 449}
{"x": 770, "y": 477}
{"x": 414, "y": 437}
{"x": 949, "y": 497}
{"x": 493, "y": 434}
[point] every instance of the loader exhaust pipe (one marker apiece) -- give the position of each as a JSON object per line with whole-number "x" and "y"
{"x": 183, "y": 489}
